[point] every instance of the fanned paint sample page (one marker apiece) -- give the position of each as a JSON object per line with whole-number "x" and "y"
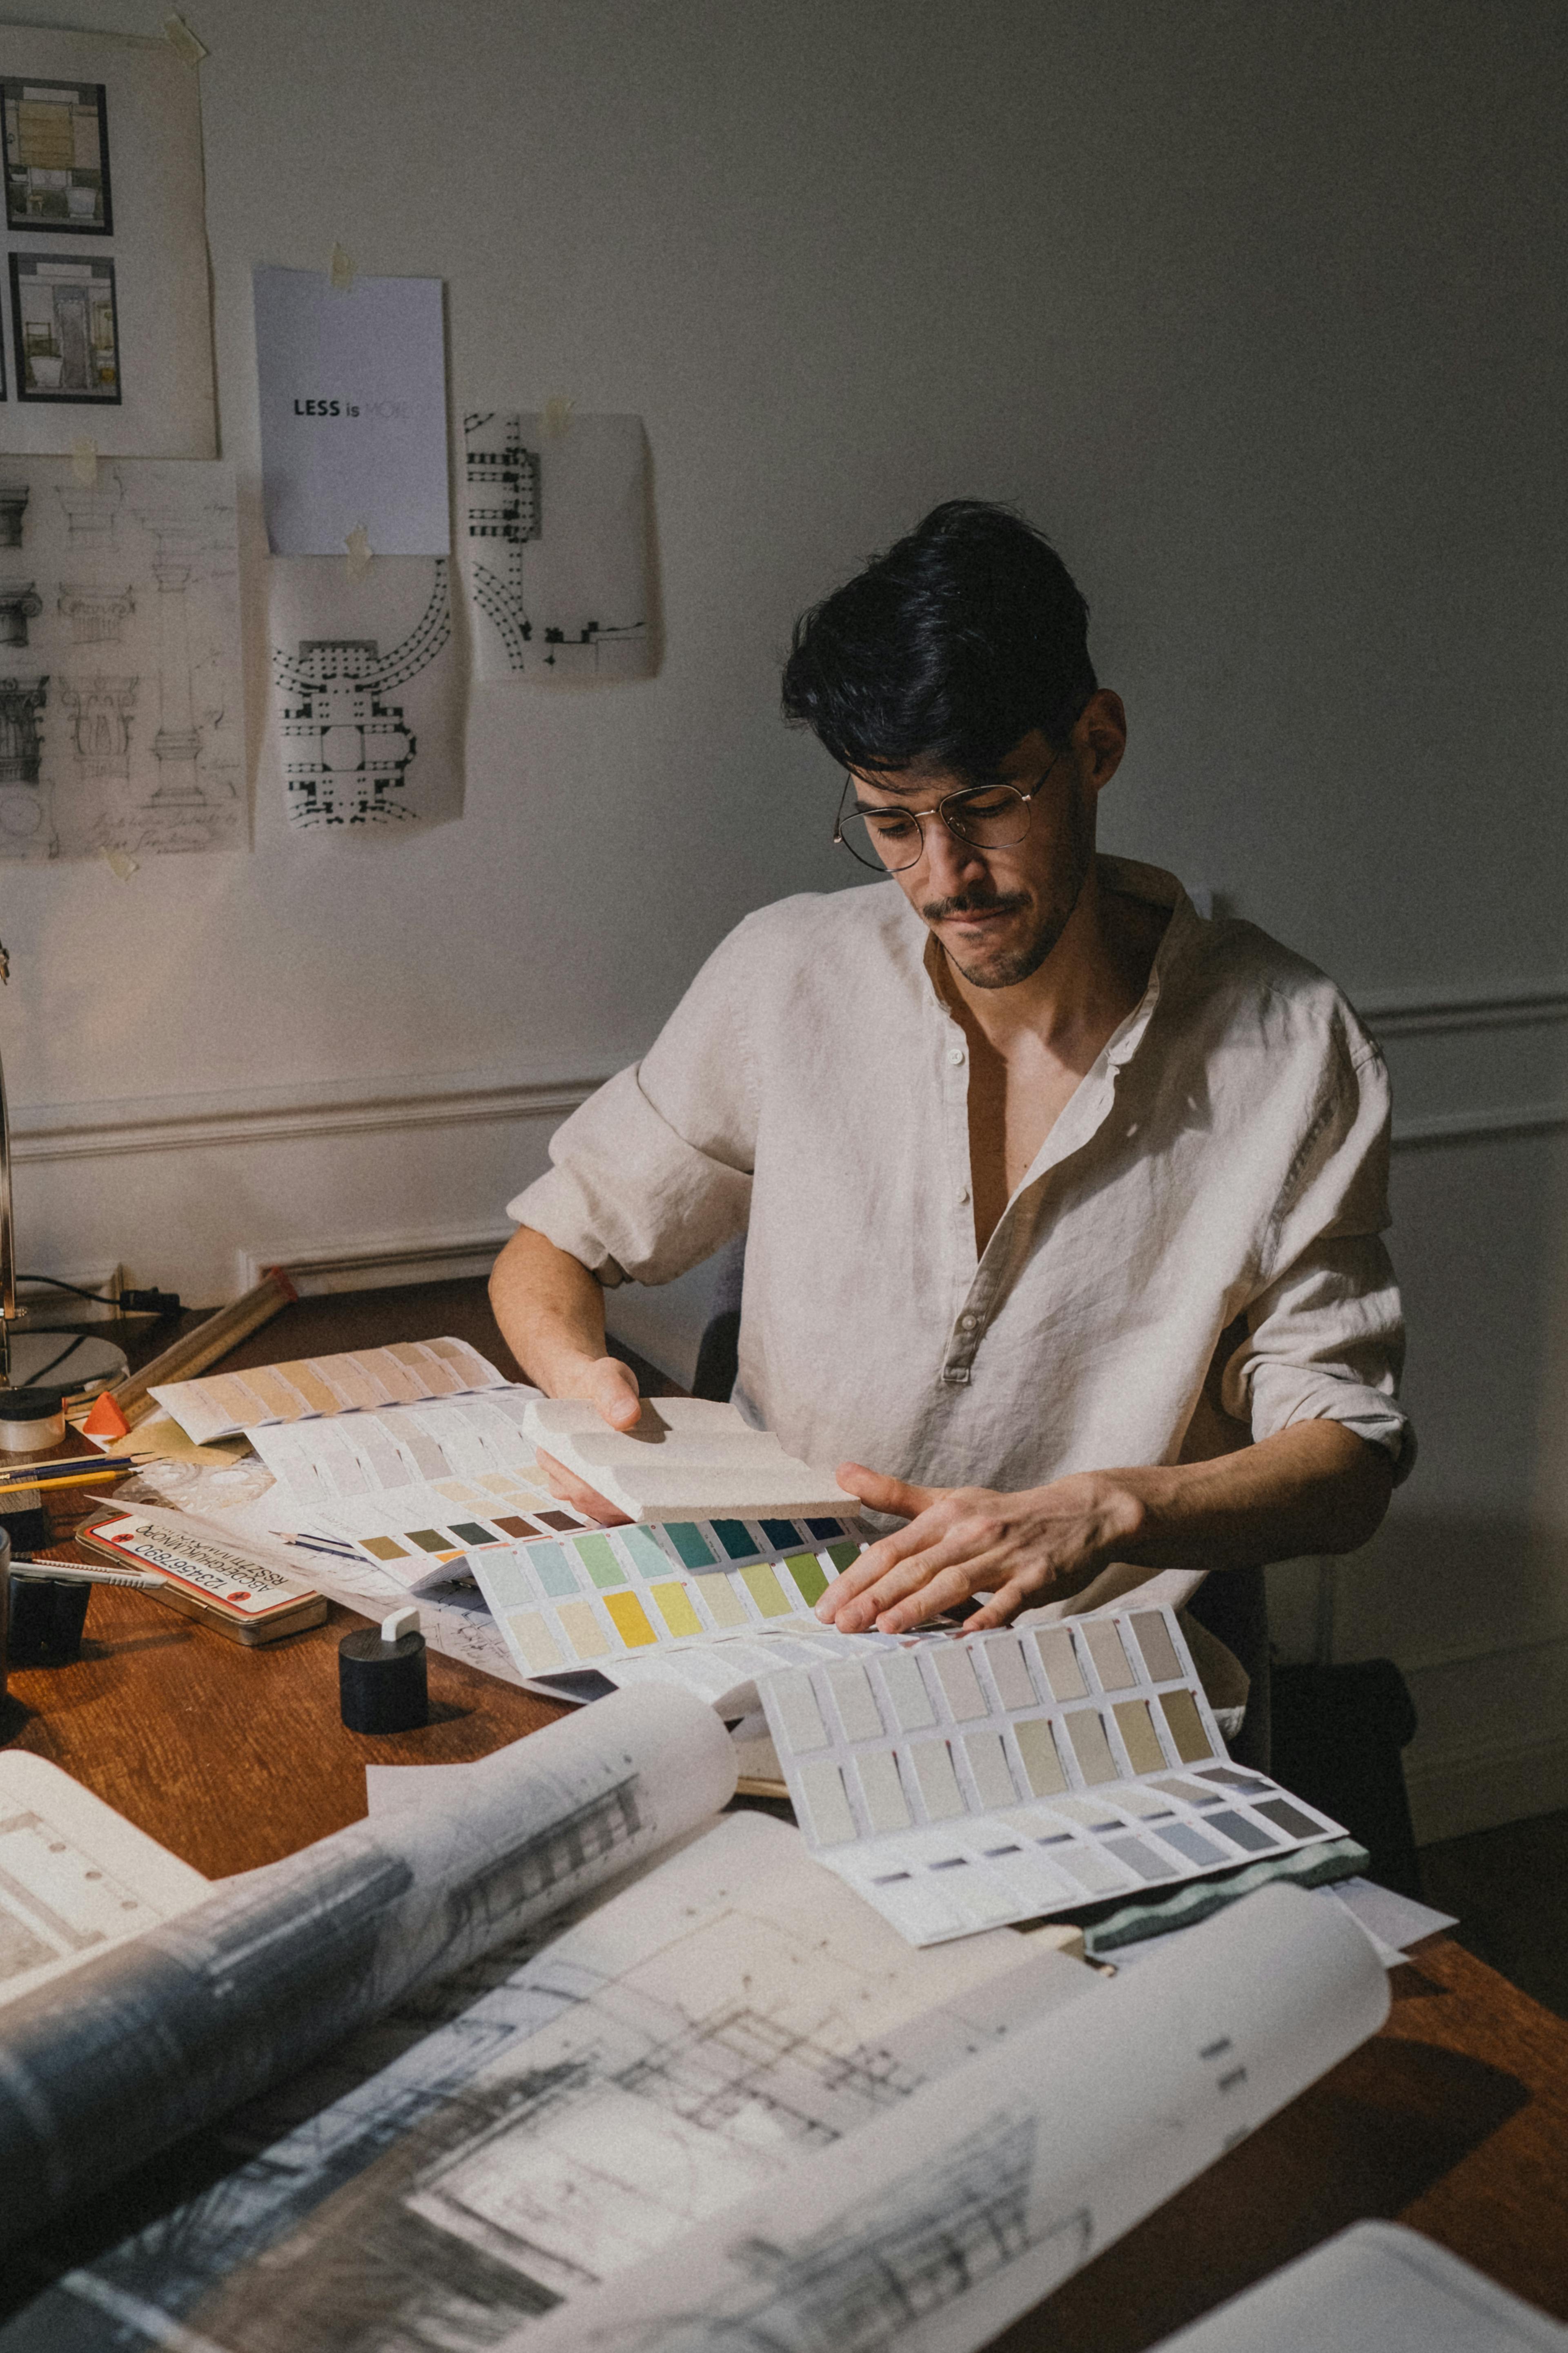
{"x": 1005, "y": 1776}
{"x": 944, "y": 2220}
{"x": 75, "y": 1876}
{"x": 685, "y": 2044}
{"x": 685, "y": 1457}
{"x": 223, "y": 1403}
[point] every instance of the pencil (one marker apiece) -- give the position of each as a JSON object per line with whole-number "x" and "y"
{"x": 28, "y": 1474}
{"x": 81, "y": 1478}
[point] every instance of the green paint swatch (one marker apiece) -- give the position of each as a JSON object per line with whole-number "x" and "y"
{"x": 736, "y": 1538}
{"x": 550, "y": 1565}
{"x": 766, "y": 1590}
{"x": 687, "y": 1538}
{"x": 648, "y": 1555}
{"x": 813, "y": 1584}
{"x": 598, "y": 1556}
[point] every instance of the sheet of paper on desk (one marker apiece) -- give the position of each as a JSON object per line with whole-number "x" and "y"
{"x": 944, "y": 2220}
{"x": 1009, "y": 1776}
{"x": 1376, "y": 2286}
{"x": 75, "y": 1876}
{"x": 687, "y": 2042}
{"x": 220, "y": 1403}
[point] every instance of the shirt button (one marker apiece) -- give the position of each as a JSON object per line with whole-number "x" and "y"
{"x": 955, "y": 1055}
{"x": 961, "y": 1195}
{"x": 967, "y": 1322}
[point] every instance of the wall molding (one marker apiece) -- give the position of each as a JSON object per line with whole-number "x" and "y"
{"x": 47, "y": 1135}
{"x": 366, "y": 1265}
{"x": 1483, "y": 1783}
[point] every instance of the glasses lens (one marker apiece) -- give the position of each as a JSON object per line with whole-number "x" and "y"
{"x": 886, "y": 840}
{"x": 993, "y": 818}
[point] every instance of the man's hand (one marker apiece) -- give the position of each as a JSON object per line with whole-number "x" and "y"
{"x": 604, "y": 1382}
{"x": 1030, "y": 1547}
{"x": 1313, "y": 1487}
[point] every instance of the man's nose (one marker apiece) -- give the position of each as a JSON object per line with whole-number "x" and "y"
{"x": 950, "y": 861}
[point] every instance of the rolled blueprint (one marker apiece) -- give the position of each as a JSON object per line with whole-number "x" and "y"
{"x": 101, "y": 2069}
{"x": 937, "y": 2225}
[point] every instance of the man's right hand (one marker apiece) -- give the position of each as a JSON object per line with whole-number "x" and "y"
{"x": 604, "y": 1382}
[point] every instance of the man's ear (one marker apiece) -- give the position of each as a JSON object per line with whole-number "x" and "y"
{"x": 1099, "y": 736}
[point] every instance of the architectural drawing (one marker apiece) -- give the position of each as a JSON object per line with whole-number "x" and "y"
{"x": 366, "y": 693}
{"x": 104, "y": 236}
{"x": 555, "y": 547}
{"x": 127, "y": 731}
{"x": 65, "y": 329}
{"x": 14, "y": 497}
{"x": 172, "y": 2028}
{"x": 57, "y": 157}
{"x": 694, "y": 2038}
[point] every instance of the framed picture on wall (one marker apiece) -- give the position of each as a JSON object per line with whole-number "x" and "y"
{"x": 65, "y": 329}
{"x": 57, "y": 157}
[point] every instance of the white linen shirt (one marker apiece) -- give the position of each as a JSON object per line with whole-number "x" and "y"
{"x": 1193, "y": 1257}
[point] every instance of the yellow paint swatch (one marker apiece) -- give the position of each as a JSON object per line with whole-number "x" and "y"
{"x": 530, "y": 1629}
{"x": 1038, "y": 1751}
{"x": 1187, "y": 1726}
{"x": 723, "y": 1604}
{"x": 675, "y": 1608}
{"x": 582, "y": 1630}
{"x": 630, "y": 1620}
{"x": 1145, "y": 1752}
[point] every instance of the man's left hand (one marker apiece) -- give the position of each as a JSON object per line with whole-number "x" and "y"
{"x": 1025, "y": 1549}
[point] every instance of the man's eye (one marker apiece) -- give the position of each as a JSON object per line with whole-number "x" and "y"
{"x": 891, "y": 827}
{"x": 983, "y": 804}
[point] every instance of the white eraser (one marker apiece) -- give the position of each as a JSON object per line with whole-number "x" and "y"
{"x": 401, "y": 1622}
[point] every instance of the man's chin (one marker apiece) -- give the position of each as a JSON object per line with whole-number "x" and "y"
{"x": 1001, "y": 964}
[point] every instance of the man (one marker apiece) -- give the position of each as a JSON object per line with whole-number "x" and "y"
{"x": 1063, "y": 1205}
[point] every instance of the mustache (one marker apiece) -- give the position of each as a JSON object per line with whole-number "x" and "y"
{"x": 974, "y": 903}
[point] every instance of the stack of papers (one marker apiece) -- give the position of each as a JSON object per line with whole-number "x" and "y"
{"x": 685, "y": 1459}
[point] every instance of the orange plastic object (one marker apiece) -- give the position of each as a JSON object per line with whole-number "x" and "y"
{"x": 106, "y": 1421}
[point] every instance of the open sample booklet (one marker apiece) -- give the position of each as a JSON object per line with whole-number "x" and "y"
{"x": 685, "y": 1457}
{"x": 726, "y": 2104}
{"x": 219, "y": 1403}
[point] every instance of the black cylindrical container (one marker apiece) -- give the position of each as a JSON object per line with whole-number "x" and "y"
{"x": 382, "y": 1685}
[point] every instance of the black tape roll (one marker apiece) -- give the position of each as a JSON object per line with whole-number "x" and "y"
{"x": 382, "y": 1685}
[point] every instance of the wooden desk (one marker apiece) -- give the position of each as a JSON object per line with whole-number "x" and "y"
{"x": 1455, "y": 2119}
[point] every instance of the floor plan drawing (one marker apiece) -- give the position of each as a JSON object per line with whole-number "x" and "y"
{"x": 366, "y": 693}
{"x": 555, "y": 547}
{"x": 122, "y": 711}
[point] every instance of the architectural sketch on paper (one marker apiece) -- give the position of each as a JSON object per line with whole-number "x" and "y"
{"x": 57, "y": 157}
{"x": 567, "y": 2115}
{"x": 66, "y": 329}
{"x": 122, "y": 722}
{"x": 351, "y": 754}
{"x": 555, "y": 546}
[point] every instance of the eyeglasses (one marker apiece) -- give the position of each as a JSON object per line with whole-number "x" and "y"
{"x": 987, "y": 817}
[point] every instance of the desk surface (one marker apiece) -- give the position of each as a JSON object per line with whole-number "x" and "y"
{"x": 1455, "y": 2119}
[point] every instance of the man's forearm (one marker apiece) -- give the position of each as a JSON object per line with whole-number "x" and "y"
{"x": 1313, "y": 1488}
{"x": 551, "y": 1310}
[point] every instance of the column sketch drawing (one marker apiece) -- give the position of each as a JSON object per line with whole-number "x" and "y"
{"x": 100, "y": 711}
{"x": 97, "y": 615}
{"x": 19, "y": 604}
{"x": 348, "y": 748}
{"x": 26, "y": 825}
{"x": 132, "y": 608}
{"x": 14, "y": 497}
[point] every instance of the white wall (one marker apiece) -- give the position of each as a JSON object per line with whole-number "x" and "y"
{"x": 1258, "y": 309}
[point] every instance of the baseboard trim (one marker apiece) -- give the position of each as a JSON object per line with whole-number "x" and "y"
{"x": 1432, "y": 1012}
{"x": 1497, "y": 1126}
{"x": 1480, "y": 1787}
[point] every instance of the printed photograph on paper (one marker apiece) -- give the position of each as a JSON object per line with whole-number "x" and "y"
{"x": 57, "y": 157}
{"x": 66, "y": 329}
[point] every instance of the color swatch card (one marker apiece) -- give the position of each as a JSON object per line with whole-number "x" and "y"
{"x": 1008, "y": 1776}
{"x": 411, "y": 1488}
{"x": 593, "y": 1600}
{"x": 222, "y": 1403}
{"x": 685, "y": 1459}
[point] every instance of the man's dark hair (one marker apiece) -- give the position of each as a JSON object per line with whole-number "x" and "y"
{"x": 966, "y": 635}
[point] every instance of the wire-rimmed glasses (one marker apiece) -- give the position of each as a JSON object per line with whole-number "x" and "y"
{"x": 888, "y": 840}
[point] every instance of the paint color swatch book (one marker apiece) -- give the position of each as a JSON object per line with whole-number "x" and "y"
{"x": 1008, "y": 1776}
{"x": 602, "y": 1599}
{"x": 224, "y": 1403}
{"x": 686, "y": 1457}
{"x": 412, "y": 1489}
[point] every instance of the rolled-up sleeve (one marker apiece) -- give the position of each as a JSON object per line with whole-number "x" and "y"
{"x": 654, "y": 1172}
{"x": 1325, "y": 1331}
